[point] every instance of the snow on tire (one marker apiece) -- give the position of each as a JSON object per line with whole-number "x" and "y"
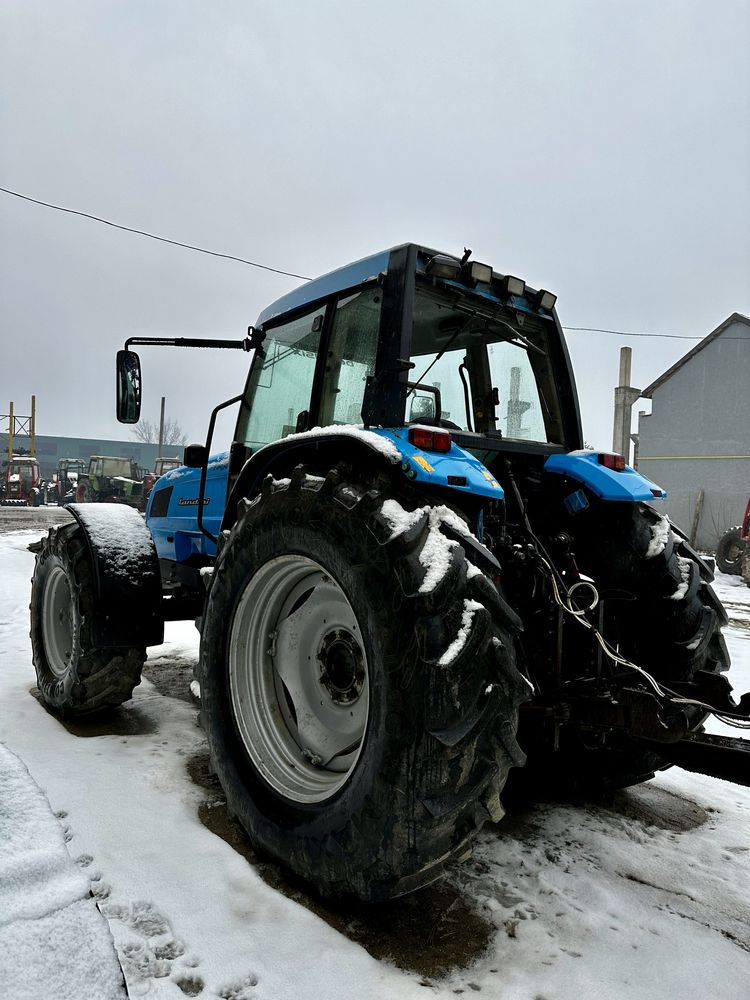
{"x": 74, "y": 677}
{"x": 664, "y": 616}
{"x": 361, "y": 713}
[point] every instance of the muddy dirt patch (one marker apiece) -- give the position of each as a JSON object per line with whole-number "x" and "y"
{"x": 657, "y": 807}
{"x": 432, "y": 932}
{"x": 127, "y": 720}
{"x": 170, "y": 677}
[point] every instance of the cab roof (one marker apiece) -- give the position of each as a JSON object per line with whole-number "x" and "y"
{"x": 354, "y": 274}
{"x": 328, "y": 284}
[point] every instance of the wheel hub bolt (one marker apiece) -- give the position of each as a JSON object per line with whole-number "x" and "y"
{"x": 342, "y": 671}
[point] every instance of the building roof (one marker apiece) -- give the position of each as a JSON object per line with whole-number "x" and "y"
{"x": 734, "y": 318}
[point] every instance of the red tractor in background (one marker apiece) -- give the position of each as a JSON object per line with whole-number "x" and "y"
{"x": 733, "y": 550}
{"x": 161, "y": 466}
{"x": 22, "y": 482}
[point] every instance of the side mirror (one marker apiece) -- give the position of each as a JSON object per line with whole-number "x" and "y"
{"x": 195, "y": 456}
{"x": 421, "y": 407}
{"x": 128, "y": 387}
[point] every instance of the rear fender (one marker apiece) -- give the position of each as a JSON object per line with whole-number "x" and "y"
{"x": 321, "y": 449}
{"x": 387, "y": 449}
{"x": 607, "y": 484}
{"x": 383, "y": 450}
{"x": 127, "y": 581}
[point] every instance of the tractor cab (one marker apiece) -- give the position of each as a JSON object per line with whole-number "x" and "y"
{"x": 111, "y": 479}
{"x": 69, "y": 470}
{"x": 410, "y": 337}
{"x": 162, "y": 465}
{"x": 165, "y": 464}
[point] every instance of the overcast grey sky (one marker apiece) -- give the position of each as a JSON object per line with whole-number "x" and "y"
{"x": 595, "y": 148}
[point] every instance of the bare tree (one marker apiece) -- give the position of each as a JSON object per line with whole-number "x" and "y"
{"x": 147, "y": 431}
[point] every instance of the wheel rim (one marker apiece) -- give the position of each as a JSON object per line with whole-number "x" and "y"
{"x": 298, "y": 679}
{"x": 57, "y": 621}
{"x": 733, "y": 554}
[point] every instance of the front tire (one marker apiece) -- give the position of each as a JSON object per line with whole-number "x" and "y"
{"x": 74, "y": 678}
{"x": 360, "y": 719}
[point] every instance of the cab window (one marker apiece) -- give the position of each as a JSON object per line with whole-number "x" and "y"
{"x": 351, "y": 356}
{"x": 279, "y": 389}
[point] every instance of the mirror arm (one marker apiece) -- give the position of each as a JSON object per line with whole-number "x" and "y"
{"x": 204, "y": 466}
{"x": 254, "y": 339}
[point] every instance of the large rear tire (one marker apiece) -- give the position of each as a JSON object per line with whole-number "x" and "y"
{"x": 74, "y": 677}
{"x": 663, "y": 616}
{"x": 359, "y": 686}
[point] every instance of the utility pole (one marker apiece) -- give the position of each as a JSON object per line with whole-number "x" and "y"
{"x": 625, "y": 396}
{"x": 161, "y": 426}
{"x": 33, "y": 427}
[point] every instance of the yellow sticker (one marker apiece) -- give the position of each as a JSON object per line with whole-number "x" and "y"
{"x": 421, "y": 460}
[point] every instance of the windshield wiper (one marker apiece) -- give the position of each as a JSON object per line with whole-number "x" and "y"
{"x": 516, "y": 337}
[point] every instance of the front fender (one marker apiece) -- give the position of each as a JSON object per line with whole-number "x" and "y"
{"x": 127, "y": 581}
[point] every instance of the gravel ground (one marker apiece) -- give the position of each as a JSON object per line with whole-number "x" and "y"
{"x": 28, "y": 518}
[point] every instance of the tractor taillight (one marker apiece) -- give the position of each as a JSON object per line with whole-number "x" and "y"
{"x": 429, "y": 439}
{"x": 610, "y": 460}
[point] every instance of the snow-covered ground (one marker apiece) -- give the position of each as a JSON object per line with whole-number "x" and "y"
{"x": 646, "y": 896}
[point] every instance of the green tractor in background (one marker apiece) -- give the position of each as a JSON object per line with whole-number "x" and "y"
{"x": 111, "y": 480}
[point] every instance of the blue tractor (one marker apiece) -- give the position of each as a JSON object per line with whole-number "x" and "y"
{"x": 408, "y": 575}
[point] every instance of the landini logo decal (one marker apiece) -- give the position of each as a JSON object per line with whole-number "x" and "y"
{"x": 193, "y": 501}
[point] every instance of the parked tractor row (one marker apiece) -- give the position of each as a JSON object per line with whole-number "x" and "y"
{"x": 105, "y": 480}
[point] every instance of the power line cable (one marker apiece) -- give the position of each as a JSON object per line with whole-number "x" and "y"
{"x": 292, "y": 274}
{"x": 625, "y": 333}
{"x": 153, "y": 236}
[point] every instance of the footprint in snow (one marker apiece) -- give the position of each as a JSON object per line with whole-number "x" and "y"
{"x": 147, "y": 949}
{"x": 242, "y": 989}
{"x": 190, "y": 985}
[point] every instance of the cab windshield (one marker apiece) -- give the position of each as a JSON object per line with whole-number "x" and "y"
{"x": 111, "y": 467}
{"x": 488, "y": 373}
{"x": 23, "y": 469}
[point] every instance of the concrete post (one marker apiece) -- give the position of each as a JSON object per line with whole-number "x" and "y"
{"x": 625, "y": 396}
{"x": 161, "y": 427}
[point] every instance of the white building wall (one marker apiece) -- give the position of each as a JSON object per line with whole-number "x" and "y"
{"x": 697, "y": 437}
